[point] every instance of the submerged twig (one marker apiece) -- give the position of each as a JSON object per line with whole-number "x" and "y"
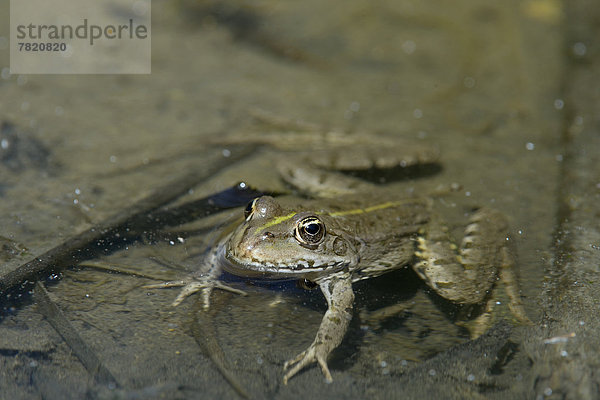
{"x": 203, "y": 330}
{"x": 122, "y": 269}
{"x": 59, "y": 322}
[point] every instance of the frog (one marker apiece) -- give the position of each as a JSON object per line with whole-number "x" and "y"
{"x": 347, "y": 231}
{"x": 336, "y": 243}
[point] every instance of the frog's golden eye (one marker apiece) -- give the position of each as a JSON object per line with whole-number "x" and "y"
{"x": 249, "y": 209}
{"x": 310, "y": 231}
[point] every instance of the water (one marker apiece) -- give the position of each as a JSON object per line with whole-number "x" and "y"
{"x": 479, "y": 80}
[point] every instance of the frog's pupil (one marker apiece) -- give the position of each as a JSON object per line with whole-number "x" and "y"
{"x": 312, "y": 229}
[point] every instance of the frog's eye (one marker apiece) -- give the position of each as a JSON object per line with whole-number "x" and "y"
{"x": 306, "y": 284}
{"x": 249, "y": 209}
{"x": 310, "y": 230}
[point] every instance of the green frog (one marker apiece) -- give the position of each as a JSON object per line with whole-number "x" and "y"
{"x": 355, "y": 231}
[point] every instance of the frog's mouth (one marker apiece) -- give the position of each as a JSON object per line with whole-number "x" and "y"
{"x": 269, "y": 270}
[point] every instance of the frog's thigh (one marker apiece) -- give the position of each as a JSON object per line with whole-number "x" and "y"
{"x": 317, "y": 181}
{"x": 467, "y": 274}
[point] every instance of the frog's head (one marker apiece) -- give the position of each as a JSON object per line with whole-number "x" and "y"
{"x": 286, "y": 243}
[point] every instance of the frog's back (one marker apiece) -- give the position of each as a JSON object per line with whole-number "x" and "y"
{"x": 384, "y": 227}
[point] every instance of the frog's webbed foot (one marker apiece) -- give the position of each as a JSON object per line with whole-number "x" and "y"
{"x": 190, "y": 287}
{"x": 315, "y": 353}
{"x": 204, "y": 283}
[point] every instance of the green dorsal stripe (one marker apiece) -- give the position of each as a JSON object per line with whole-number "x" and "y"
{"x": 382, "y": 206}
{"x": 367, "y": 210}
{"x": 276, "y": 221}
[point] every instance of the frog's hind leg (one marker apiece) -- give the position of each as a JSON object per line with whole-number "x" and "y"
{"x": 467, "y": 275}
{"x": 319, "y": 182}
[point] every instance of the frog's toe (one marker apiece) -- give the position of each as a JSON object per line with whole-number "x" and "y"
{"x": 190, "y": 289}
{"x": 206, "y": 287}
{"x": 325, "y": 369}
{"x": 221, "y": 286}
{"x": 194, "y": 286}
{"x": 307, "y": 357}
{"x": 166, "y": 285}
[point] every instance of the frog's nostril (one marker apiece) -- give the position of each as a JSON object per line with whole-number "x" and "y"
{"x": 267, "y": 235}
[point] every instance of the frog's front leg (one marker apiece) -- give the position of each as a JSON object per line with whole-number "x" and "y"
{"x": 339, "y": 295}
{"x": 467, "y": 275}
{"x": 204, "y": 283}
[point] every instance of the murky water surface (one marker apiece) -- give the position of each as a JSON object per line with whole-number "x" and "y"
{"x": 479, "y": 80}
